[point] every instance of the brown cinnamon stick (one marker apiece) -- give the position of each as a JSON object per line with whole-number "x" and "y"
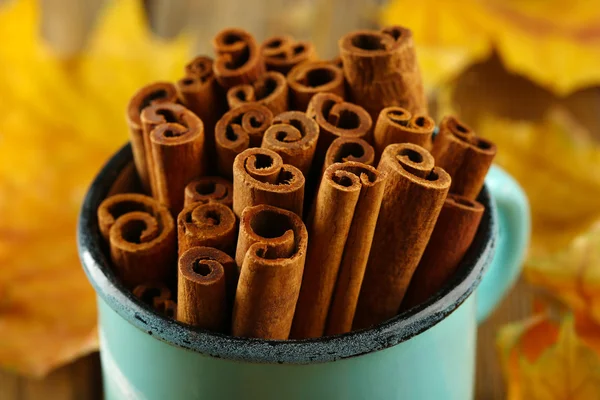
{"x": 239, "y": 129}
{"x": 397, "y": 125}
{"x": 271, "y": 273}
{"x": 142, "y": 243}
{"x": 267, "y": 225}
{"x": 294, "y": 137}
{"x": 337, "y": 118}
{"x": 413, "y": 197}
{"x": 261, "y": 177}
{"x": 309, "y": 78}
{"x": 157, "y": 295}
{"x": 160, "y": 92}
{"x": 340, "y": 228}
{"x": 238, "y": 58}
{"x": 168, "y": 308}
{"x": 381, "y": 70}
{"x": 270, "y": 90}
{"x": 282, "y": 53}
{"x": 209, "y": 225}
{"x": 120, "y": 204}
{"x": 176, "y": 141}
{"x": 200, "y": 93}
{"x": 453, "y": 233}
{"x": 209, "y": 189}
{"x": 202, "y": 288}
{"x": 465, "y": 156}
{"x": 345, "y": 149}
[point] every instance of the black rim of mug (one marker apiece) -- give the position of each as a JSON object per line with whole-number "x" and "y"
{"x": 326, "y": 349}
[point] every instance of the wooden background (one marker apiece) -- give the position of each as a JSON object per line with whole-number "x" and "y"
{"x": 81, "y": 379}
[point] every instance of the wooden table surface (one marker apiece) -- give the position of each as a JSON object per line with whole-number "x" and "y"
{"x": 81, "y": 379}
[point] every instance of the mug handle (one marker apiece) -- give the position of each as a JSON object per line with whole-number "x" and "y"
{"x": 513, "y": 237}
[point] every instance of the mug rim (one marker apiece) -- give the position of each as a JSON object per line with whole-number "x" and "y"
{"x": 396, "y": 330}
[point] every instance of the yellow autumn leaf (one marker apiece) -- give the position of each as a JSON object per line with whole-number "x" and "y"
{"x": 544, "y": 360}
{"x": 555, "y": 43}
{"x": 61, "y": 121}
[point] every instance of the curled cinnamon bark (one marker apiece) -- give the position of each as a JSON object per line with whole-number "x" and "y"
{"x": 337, "y": 118}
{"x": 156, "y": 295}
{"x": 238, "y": 58}
{"x": 120, "y": 204}
{"x": 397, "y": 125}
{"x": 309, "y": 78}
{"x": 267, "y": 225}
{"x": 237, "y": 130}
{"x": 341, "y": 230}
{"x": 282, "y": 53}
{"x": 465, "y": 156}
{"x": 261, "y": 177}
{"x": 209, "y": 189}
{"x": 210, "y": 225}
{"x": 454, "y": 232}
{"x": 345, "y": 149}
{"x": 202, "y": 294}
{"x": 270, "y": 90}
{"x": 199, "y": 92}
{"x": 294, "y": 137}
{"x": 413, "y": 197}
{"x": 142, "y": 239}
{"x": 176, "y": 140}
{"x": 271, "y": 272}
{"x": 381, "y": 70}
{"x": 156, "y": 93}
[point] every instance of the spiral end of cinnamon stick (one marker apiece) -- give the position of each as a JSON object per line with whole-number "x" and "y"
{"x": 415, "y": 163}
{"x": 117, "y": 205}
{"x": 309, "y": 78}
{"x": 366, "y": 43}
{"x": 239, "y": 60}
{"x": 270, "y": 90}
{"x": 210, "y": 224}
{"x": 339, "y": 118}
{"x": 345, "y": 149}
{"x": 156, "y": 93}
{"x": 200, "y": 67}
{"x": 282, "y": 53}
{"x": 152, "y": 294}
{"x": 209, "y": 189}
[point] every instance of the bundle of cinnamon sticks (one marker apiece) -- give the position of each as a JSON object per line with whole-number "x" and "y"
{"x": 284, "y": 196}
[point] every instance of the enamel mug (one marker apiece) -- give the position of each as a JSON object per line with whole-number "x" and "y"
{"x": 425, "y": 353}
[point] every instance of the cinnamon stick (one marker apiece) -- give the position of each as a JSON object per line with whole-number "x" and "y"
{"x": 142, "y": 243}
{"x": 337, "y": 118}
{"x": 238, "y": 58}
{"x": 155, "y": 93}
{"x": 381, "y": 70}
{"x": 345, "y": 149}
{"x": 209, "y": 189}
{"x": 120, "y": 204}
{"x": 199, "y": 91}
{"x": 271, "y": 274}
{"x": 282, "y": 53}
{"x": 454, "y": 232}
{"x": 465, "y": 156}
{"x": 240, "y": 128}
{"x": 210, "y": 225}
{"x": 413, "y": 197}
{"x": 168, "y": 308}
{"x": 176, "y": 141}
{"x": 154, "y": 294}
{"x": 202, "y": 288}
{"x": 309, "y": 78}
{"x": 294, "y": 137}
{"x": 340, "y": 229}
{"x": 261, "y": 177}
{"x": 397, "y": 125}
{"x": 270, "y": 90}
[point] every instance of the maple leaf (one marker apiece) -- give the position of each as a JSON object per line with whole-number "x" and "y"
{"x": 546, "y": 360}
{"x": 61, "y": 121}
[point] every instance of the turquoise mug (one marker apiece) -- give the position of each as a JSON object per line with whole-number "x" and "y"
{"x": 427, "y": 352}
